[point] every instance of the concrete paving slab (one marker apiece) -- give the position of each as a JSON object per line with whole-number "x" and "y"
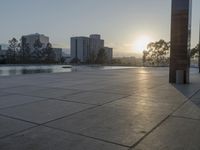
{"x": 10, "y": 126}
{"x": 14, "y": 100}
{"x": 174, "y": 134}
{"x": 142, "y": 104}
{"x": 196, "y": 101}
{"x": 123, "y": 126}
{"x": 188, "y": 110}
{"x": 3, "y": 93}
{"x": 118, "y": 90}
{"x": 188, "y": 90}
{"x": 43, "y": 138}
{"x": 96, "y": 98}
{"x": 196, "y": 96}
{"x": 28, "y": 89}
{"x": 44, "y": 111}
{"x": 121, "y": 122}
{"x": 170, "y": 95}
{"x": 88, "y": 87}
{"x": 53, "y": 92}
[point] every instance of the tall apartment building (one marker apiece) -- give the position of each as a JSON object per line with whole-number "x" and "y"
{"x": 3, "y": 53}
{"x": 4, "y": 47}
{"x": 109, "y": 52}
{"x": 82, "y": 47}
{"x": 32, "y": 38}
{"x": 96, "y": 43}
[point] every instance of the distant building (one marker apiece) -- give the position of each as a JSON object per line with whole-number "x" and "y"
{"x": 3, "y": 55}
{"x": 83, "y": 47}
{"x": 58, "y": 54}
{"x": 3, "y": 52}
{"x": 96, "y": 43}
{"x": 32, "y": 38}
{"x": 109, "y": 52}
{"x": 4, "y": 46}
{"x": 80, "y": 47}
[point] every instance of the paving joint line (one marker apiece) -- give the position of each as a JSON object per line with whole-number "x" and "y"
{"x": 24, "y": 104}
{"x": 160, "y": 123}
{"x": 90, "y": 108}
{"x": 175, "y": 116}
{"x": 155, "y": 127}
{"x": 10, "y": 117}
{"x": 91, "y": 137}
{"x": 21, "y": 131}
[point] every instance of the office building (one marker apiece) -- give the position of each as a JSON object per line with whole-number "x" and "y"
{"x": 3, "y": 52}
{"x": 3, "y": 55}
{"x": 96, "y": 43}
{"x": 32, "y": 38}
{"x": 109, "y": 53}
{"x": 4, "y": 46}
{"x": 82, "y": 48}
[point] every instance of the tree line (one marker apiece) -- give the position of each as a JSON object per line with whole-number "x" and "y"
{"x": 158, "y": 53}
{"x": 21, "y": 53}
{"x": 100, "y": 58}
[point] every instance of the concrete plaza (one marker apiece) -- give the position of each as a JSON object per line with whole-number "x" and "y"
{"x": 125, "y": 109}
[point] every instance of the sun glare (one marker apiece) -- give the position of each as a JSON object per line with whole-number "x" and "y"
{"x": 141, "y": 43}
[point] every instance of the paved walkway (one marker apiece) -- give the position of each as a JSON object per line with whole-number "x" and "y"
{"x": 131, "y": 109}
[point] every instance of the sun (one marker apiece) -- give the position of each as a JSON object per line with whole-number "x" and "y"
{"x": 140, "y": 44}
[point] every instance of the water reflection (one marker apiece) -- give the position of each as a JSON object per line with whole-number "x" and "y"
{"x": 20, "y": 70}
{"x": 8, "y": 70}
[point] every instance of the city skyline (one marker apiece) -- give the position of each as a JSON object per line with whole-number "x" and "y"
{"x": 122, "y": 24}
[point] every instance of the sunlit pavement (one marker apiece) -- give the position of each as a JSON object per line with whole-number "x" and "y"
{"x": 127, "y": 109}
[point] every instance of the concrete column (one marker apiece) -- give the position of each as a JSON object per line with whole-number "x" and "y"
{"x": 180, "y": 41}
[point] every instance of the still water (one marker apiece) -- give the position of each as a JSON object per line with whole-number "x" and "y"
{"x": 8, "y": 70}
{"x": 31, "y": 69}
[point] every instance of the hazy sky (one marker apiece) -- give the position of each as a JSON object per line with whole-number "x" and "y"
{"x": 120, "y": 22}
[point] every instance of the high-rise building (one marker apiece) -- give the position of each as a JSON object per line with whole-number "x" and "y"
{"x": 82, "y": 48}
{"x": 180, "y": 41}
{"x": 109, "y": 53}
{"x": 4, "y": 46}
{"x": 96, "y": 43}
{"x": 3, "y": 52}
{"x": 32, "y": 38}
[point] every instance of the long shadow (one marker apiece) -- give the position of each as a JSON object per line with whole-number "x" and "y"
{"x": 192, "y": 90}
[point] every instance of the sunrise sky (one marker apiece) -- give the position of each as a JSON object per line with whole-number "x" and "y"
{"x": 125, "y": 25}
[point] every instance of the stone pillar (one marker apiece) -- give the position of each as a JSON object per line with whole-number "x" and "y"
{"x": 180, "y": 41}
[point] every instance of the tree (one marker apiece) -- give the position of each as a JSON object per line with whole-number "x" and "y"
{"x": 49, "y": 55}
{"x": 12, "y": 50}
{"x": 101, "y": 57}
{"x": 194, "y": 53}
{"x": 75, "y": 61}
{"x": 37, "y": 53}
{"x": 144, "y": 58}
{"x": 25, "y": 51}
{"x": 157, "y": 53}
{"x": 92, "y": 57}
